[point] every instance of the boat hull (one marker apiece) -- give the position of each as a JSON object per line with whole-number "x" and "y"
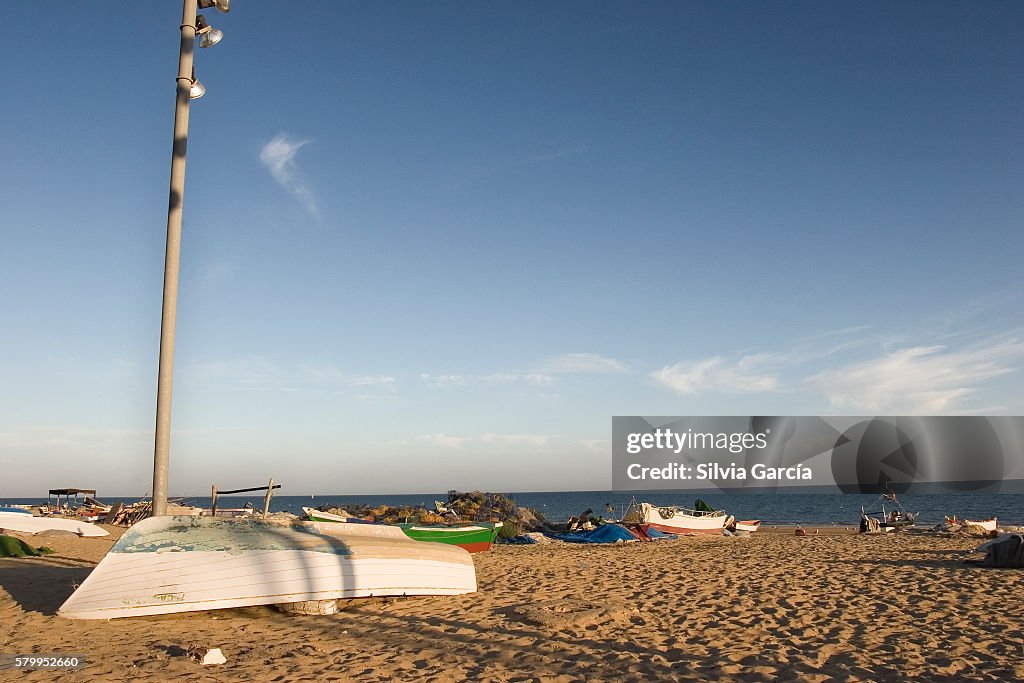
{"x": 474, "y": 538}
{"x": 165, "y": 565}
{"x": 681, "y": 523}
{"x": 319, "y": 516}
{"x": 28, "y": 524}
{"x": 749, "y": 525}
{"x": 987, "y": 525}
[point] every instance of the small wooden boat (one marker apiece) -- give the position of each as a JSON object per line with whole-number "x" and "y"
{"x": 15, "y": 509}
{"x": 17, "y": 521}
{"x": 315, "y": 515}
{"x": 164, "y": 565}
{"x": 677, "y": 520}
{"x": 748, "y": 525}
{"x": 475, "y": 537}
{"x": 988, "y": 525}
{"x": 886, "y": 521}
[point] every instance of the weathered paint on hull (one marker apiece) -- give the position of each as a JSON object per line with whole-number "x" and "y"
{"x": 180, "y": 564}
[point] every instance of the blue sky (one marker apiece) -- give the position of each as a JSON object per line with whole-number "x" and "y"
{"x": 439, "y": 245}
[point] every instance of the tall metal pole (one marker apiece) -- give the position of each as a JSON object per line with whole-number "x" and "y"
{"x": 161, "y": 453}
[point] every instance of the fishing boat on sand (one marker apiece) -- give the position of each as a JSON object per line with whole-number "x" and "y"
{"x": 988, "y": 524}
{"x": 882, "y": 521}
{"x": 164, "y": 565}
{"x": 678, "y": 520}
{"x": 29, "y": 524}
{"x": 474, "y": 537}
{"x": 314, "y": 515}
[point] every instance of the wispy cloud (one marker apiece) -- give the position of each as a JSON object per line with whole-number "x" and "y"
{"x": 920, "y": 380}
{"x": 873, "y": 375}
{"x": 487, "y": 439}
{"x": 543, "y": 376}
{"x": 264, "y": 373}
{"x": 500, "y": 378}
{"x": 487, "y": 169}
{"x": 372, "y": 380}
{"x": 750, "y": 374}
{"x": 278, "y": 156}
{"x": 582, "y": 364}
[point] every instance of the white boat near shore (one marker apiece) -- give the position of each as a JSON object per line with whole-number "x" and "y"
{"x": 677, "y": 520}
{"x": 320, "y": 516}
{"x": 988, "y": 524}
{"x": 28, "y": 524}
{"x": 164, "y": 565}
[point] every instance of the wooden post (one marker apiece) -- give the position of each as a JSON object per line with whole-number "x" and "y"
{"x": 266, "y": 501}
{"x": 213, "y": 502}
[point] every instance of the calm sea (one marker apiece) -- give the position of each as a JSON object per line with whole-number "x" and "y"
{"x": 774, "y": 508}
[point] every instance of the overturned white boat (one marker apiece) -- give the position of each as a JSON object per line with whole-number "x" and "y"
{"x": 28, "y": 524}
{"x": 181, "y": 564}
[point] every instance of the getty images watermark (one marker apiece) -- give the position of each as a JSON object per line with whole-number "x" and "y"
{"x": 855, "y": 454}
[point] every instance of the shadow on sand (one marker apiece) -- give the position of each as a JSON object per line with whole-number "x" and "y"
{"x": 42, "y": 585}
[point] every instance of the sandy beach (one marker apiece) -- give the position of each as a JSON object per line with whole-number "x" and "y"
{"x": 833, "y": 606}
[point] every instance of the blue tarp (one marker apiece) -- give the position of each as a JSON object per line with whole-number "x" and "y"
{"x": 606, "y": 533}
{"x": 653, "y": 533}
{"x": 517, "y": 540}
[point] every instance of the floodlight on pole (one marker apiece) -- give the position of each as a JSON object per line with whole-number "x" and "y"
{"x": 209, "y": 36}
{"x": 196, "y": 89}
{"x": 188, "y": 89}
{"x": 221, "y": 5}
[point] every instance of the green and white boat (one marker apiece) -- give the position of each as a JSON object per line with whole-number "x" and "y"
{"x": 476, "y": 537}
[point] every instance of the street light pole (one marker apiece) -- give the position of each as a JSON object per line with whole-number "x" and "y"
{"x": 161, "y": 453}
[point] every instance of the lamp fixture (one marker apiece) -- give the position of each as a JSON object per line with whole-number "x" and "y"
{"x": 208, "y": 35}
{"x": 198, "y": 89}
{"x": 220, "y": 5}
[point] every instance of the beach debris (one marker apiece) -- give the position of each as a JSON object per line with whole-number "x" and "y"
{"x": 606, "y": 533}
{"x": 15, "y": 547}
{"x": 952, "y": 526}
{"x": 207, "y": 656}
{"x": 474, "y": 506}
{"x": 799, "y": 532}
{"x": 1004, "y": 551}
{"x": 529, "y": 538}
{"x": 316, "y": 607}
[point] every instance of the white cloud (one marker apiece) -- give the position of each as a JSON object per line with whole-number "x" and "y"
{"x": 746, "y": 376}
{"x": 504, "y": 378}
{"x": 372, "y": 380}
{"x": 926, "y": 380}
{"x": 487, "y": 439}
{"x": 545, "y": 376}
{"x": 443, "y": 380}
{"x": 263, "y": 373}
{"x": 443, "y": 440}
{"x": 534, "y": 440}
{"x": 582, "y": 364}
{"x": 278, "y": 156}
